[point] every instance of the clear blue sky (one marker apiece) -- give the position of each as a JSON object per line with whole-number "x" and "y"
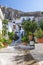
{"x": 24, "y": 5}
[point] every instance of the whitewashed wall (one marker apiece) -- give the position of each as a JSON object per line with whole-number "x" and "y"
{"x": 10, "y": 26}
{"x": 0, "y": 26}
{"x": 1, "y": 19}
{"x": 17, "y": 21}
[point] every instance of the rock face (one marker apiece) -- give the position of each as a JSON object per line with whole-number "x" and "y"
{"x": 11, "y": 14}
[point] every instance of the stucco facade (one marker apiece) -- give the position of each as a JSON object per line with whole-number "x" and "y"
{"x": 1, "y": 19}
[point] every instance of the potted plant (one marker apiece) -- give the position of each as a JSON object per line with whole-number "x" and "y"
{"x": 1, "y": 43}
{"x": 39, "y": 35}
{"x": 24, "y": 40}
{"x": 5, "y": 43}
{"x": 11, "y": 35}
{"x": 31, "y": 39}
{"x": 30, "y": 36}
{"x": 29, "y": 25}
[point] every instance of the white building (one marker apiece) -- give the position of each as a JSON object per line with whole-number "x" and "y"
{"x": 38, "y": 19}
{"x": 1, "y": 19}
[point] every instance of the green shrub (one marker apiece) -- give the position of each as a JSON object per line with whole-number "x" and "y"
{"x": 29, "y": 26}
{"x": 41, "y": 24}
{"x": 30, "y": 33}
{"x": 11, "y": 35}
{"x": 4, "y": 40}
{"x": 39, "y": 33}
{"x": 24, "y": 39}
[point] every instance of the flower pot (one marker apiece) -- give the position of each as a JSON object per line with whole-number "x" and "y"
{"x": 30, "y": 37}
{"x": 40, "y": 40}
{"x": 24, "y": 43}
{"x": 5, "y": 44}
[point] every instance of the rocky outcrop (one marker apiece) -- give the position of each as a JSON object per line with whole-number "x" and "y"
{"x": 11, "y": 14}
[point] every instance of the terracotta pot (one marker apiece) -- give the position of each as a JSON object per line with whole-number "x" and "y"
{"x": 40, "y": 40}
{"x": 5, "y": 44}
{"x": 24, "y": 43}
{"x": 30, "y": 37}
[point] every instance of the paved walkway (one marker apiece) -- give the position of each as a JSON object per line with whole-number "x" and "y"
{"x": 37, "y": 53}
{"x": 10, "y": 56}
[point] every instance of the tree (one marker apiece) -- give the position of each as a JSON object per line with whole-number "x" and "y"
{"x": 33, "y": 26}
{"x": 41, "y": 24}
{"x": 29, "y": 26}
